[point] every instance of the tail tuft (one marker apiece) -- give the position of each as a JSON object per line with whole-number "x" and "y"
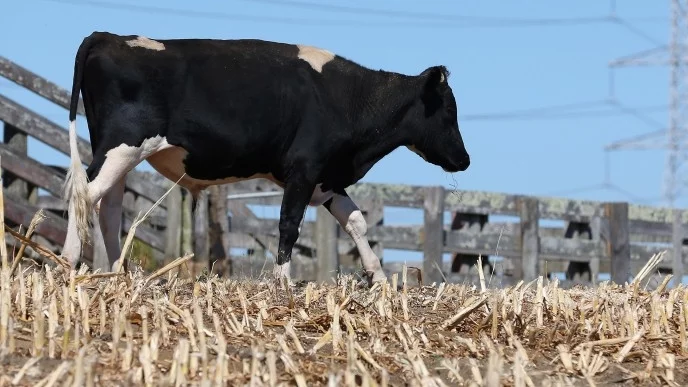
{"x": 76, "y": 188}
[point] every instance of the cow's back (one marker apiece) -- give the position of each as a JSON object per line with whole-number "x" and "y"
{"x": 236, "y": 105}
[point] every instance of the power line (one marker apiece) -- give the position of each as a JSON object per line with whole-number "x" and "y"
{"x": 429, "y": 16}
{"x": 554, "y": 115}
{"x": 631, "y": 28}
{"x": 465, "y": 21}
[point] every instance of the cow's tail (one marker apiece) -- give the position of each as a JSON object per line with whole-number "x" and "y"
{"x": 76, "y": 182}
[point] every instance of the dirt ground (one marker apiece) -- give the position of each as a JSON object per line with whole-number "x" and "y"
{"x": 159, "y": 329}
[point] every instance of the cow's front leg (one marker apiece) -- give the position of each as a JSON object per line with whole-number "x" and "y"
{"x": 352, "y": 221}
{"x": 297, "y": 194}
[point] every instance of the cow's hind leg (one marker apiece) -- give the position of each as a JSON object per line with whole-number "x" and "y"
{"x": 352, "y": 221}
{"x": 110, "y": 217}
{"x": 106, "y": 174}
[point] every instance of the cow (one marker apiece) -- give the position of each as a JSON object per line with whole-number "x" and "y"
{"x": 212, "y": 111}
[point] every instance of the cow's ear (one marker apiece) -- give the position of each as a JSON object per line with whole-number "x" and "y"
{"x": 434, "y": 76}
{"x": 430, "y": 92}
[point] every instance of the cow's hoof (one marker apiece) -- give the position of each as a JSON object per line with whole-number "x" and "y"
{"x": 375, "y": 277}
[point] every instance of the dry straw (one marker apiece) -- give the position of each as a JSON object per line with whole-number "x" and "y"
{"x": 81, "y": 328}
{"x": 231, "y": 332}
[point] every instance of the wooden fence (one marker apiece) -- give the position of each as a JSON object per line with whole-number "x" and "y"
{"x": 596, "y": 237}
{"x": 23, "y": 176}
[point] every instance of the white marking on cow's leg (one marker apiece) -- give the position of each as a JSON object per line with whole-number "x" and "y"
{"x": 119, "y": 161}
{"x": 110, "y": 216}
{"x": 319, "y": 197}
{"x": 351, "y": 219}
{"x": 316, "y": 57}
{"x": 282, "y": 271}
{"x": 144, "y": 42}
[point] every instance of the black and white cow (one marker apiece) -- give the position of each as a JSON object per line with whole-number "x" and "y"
{"x": 220, "y": 111}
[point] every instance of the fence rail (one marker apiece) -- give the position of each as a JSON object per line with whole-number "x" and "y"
{"x": 597, "y": 236}
{"x": 24, "y": 175}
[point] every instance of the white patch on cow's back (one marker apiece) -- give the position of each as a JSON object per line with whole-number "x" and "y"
{"x": 316, "y": 57}
{"x": 144, "y": 42}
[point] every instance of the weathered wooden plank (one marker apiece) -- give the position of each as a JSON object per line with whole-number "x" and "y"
{"x": 619, "y": 242}
{"x": 653, "y": 214}
{"x": 201, "y": 245}
{"x": 39, "y": 85}
{"x": 566, "y": 249}
{"x": 219, "y": 229}
{"x": 477, "y": 202}
{"x": 481, "y": 243}
{"x": 144, "y": 234}
{"x": 41, "y": 128}
{"x": 640, "y": 254}
{"x": 530, "y": 241}
{"x": 151, "y": 191}
{"x": 53, "y": 228}
{"x": 50, "y": 202}
{"x": 471, "y": 201}
{"x": 173, "y": 230}
{"x": 31, "y": 170}
{"x": 327, "y": 265}
{"x": 504, "y": 204}
{"x": 254, "y": 185}
{"x": 678, "y": 235}
{"x": 57, "y": 137}
{"x": 395, "y": 195}
{"x": 433, "y": 233}
{"x": 17, "y": 141}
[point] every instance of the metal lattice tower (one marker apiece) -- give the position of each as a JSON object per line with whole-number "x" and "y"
{"x": 673, "y": 138}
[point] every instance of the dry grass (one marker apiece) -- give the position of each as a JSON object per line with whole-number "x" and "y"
{"x": 67, "y": 328}
{"x": 80, "y": 328}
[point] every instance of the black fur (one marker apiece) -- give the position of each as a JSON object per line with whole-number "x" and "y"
{"x": 241, "y": 107}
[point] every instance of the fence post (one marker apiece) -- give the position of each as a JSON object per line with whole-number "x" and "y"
{"x": 619, "y": 247}
{"x": 433, "y": 241}
{"x": 173, "y": 229}
{"x": 375, "y": 217}
{"x": 326, "y": 252}
{"x": 219, "y": 230}
{"x": 529, "y": 212}
{"x": 677, "y": 235}
{"x": 200, "y": 233}
{"x": 18, "y": 142}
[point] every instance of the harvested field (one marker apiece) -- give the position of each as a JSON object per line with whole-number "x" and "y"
{"x": 161, "y": 329}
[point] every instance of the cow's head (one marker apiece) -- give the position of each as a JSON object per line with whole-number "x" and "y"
{"x": 431, "y": 124}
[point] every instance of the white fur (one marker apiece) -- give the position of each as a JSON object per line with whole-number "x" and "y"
{"x": 79, "y": 202}
{"x": 352, "y": 220}
{"x": 82, "y": 195}
{"x": 284, "y": 270}
{"x": 316, "y": 57}
{"x": 110, "y": 217}
{"x": 147, "y": 43}
{"x": 319, "y": 197}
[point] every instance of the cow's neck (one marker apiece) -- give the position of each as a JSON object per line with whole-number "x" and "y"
{"x": 379, "y": 104}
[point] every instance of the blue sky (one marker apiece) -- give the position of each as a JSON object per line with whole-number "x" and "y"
{"x": 499, "y": 65}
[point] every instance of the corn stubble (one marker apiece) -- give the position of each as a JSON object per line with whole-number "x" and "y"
{"x": 80, "y": 328}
